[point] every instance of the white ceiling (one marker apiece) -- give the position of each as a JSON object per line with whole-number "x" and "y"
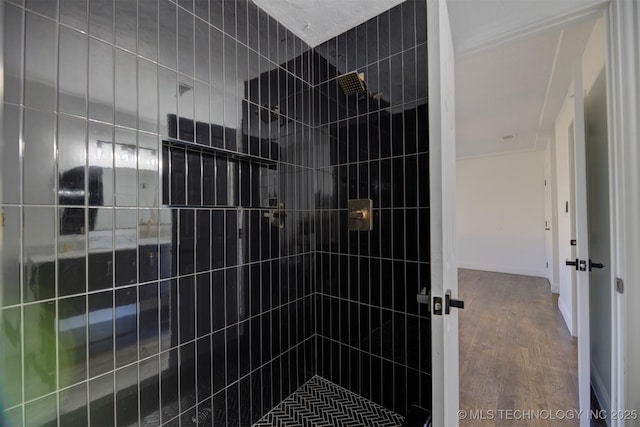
{"x": 316, "y": 21}
{"x": 513, "y": 69}
{"x": 517, "y": 89}
{"x": 513, "y": 60}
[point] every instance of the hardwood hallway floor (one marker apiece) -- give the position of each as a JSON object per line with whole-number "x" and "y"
{"x": 516, "y": 353}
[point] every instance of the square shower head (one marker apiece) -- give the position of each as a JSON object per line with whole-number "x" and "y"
{"x": 352, "y": 83}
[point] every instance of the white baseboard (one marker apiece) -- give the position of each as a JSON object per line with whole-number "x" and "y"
{"x": 566, "y": 315}
{"x": 523, "y": 271}
{"x": 600, "y": 390}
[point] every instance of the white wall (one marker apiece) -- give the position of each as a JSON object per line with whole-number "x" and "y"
{"x": 501, "y": 213}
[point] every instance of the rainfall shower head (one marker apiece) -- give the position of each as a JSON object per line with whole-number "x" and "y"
{"x": 352, "y": 83}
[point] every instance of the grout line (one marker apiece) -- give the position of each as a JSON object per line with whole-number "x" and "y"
{"x": 313, "y": 286}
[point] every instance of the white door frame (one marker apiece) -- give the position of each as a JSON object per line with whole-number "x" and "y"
{"x": 442, "y": 170}
{"x": 623, "y": 93}
{"x": 582, "y": 247}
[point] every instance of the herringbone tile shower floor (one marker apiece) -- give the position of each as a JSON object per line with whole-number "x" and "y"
{"x": 321, "y": 403}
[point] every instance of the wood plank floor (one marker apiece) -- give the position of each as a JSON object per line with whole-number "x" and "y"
{"x": 515, "y": 351}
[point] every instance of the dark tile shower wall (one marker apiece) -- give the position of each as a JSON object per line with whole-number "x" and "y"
{"x": 152, "y": 149}
{"x": 373, "y": 338}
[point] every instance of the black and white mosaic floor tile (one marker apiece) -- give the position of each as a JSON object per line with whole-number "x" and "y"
{"x": 321, "y": 403}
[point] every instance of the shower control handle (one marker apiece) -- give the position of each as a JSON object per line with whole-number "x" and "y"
{"x": 357, "y": 215}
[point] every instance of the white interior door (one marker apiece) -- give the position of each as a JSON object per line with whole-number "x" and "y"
{"x": 548, "y": 220}
{"x": 582, "y": 249}
{"x": 442, "y": 167}
{"x": 599, "y": 203}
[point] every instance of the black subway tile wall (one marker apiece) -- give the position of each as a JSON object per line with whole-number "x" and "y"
{"x": 175, "y": 177}
{"x": 157, "y": 246}
{"x": 374, "y": 146}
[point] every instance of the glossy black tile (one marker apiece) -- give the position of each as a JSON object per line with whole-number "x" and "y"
{"x": 408, "y": 24}
{"x": 185, "y": 42}
{"x": 400, "y": 384}
{"x": 148, "y": 325}
{"x": 242, "y": 21}
{"x": 361, "y": 45}
{"x": 169, "y": 402}
{"x": 125, "y": 24}
{"x": 232, "y": 347}
{"x": 72, "y": 86}
{"x": 203, "y": 378}
{"x": 127, "y": 395}
{"x": 229, "y": 11}
{"x": 72, "y": 341}
{"x": 101, "y": 399}
{"x": 421, "y": 73}
{"x": 399, "y": 291}
{"x": 148, "y": 29}
{"x": 39, "y": 52}
{"x": 168, "y": 31}
{"x": 72, "y": 404}
{"x": 231, "y": 295}
{"x": 217, "y": 296}
{"x": 11, "y": 155}
{"x": 187, "y": 308}
{"x": 421, "y": 21}
{"x": 38, "y": 160}
{"x": 39, "y": 321}
{"x": 13, "y": 58}
{"x": 410, "y": 75}
{"x": 168, "y": 314}
{"x": 411, "y": 234}
{"x": 219, "y": 354}
{"x": 252, "y": 26}
{"x": 71, "y": 272}
{"x": 74, "y": 13}
{"x": 186, "y": 245}
{"x": 188, "y": 396}
{"x": 231, "y": 237}
{"x": 41, "y": 412}
{"x": 220, "y": 409}
{"x": 203, "y": 302}
{"x": 424, "y": 226}
{"x": 12, "y": 360}
{"x": 126, "y": 318}
{"x": 221, "y": 269}
{"x": 149, "y": 389}
{"x": 194, "y": 178}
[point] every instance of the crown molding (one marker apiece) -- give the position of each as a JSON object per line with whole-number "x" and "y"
{"x": 512, "y": 30}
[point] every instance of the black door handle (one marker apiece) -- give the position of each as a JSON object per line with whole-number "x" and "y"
{"x": 572, "y": 263}
{"x": 450, "y": 302}
{"x": 593, "y": 265}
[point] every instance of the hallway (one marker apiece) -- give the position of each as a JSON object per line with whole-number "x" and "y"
{"x": 516, "y": 353}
